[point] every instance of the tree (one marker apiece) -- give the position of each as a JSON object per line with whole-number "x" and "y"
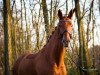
{"x": 66, "y": 6}
{"x": 46, "y": 21}
{"x": 82, "y": 42}
{"x": 7, "y": 36}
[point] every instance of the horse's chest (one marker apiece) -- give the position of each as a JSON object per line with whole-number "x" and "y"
{"x": 59, "y": 71}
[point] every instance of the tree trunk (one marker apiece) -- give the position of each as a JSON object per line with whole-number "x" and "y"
{"x": 66, "y": 6}
{"x": 82, "y": 42}
{"x": 51, "y": 19}
{"x": 27, "y": 40}
{"x": 6, "y": 63}
{"x": 54, "y": 12}
{"x": 46, "y": 21}
{"x": 7, "y": 36}
{"x": 21, "y": 30}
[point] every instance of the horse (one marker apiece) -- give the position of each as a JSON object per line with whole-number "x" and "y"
{"x": 50, "y": 59}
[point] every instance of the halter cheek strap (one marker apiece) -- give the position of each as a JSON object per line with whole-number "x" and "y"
{"x": 65, "y": 32}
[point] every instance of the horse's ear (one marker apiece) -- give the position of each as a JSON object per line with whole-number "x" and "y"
{"x": 70, "y": 15}
{"x": 60, "y": 14}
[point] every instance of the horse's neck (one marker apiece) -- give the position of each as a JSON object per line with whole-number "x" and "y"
{"x": 55, "y": 49}
{"x": 58, "y": 53}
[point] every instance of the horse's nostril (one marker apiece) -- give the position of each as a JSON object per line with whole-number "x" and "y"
{"x": 65, "y": 42}
{"x": 71, "y": 36}
{"x": 68, "y": 40}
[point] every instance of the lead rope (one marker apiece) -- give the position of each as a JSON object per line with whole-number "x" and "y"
{"x": 78, "y": 66}
{"x": 74, "y": 61}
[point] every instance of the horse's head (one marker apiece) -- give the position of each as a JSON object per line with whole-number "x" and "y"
{"x": 65, "y": 27}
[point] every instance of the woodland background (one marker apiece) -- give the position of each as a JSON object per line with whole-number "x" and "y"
{"x": 25, "y": 26}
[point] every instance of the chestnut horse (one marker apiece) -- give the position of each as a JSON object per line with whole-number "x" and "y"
{"x": 49, "y": 60}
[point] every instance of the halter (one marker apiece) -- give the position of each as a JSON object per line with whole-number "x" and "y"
{"x": 65, "y": 30}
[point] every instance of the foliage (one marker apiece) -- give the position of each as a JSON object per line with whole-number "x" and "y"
{"x": 30, "y": 27}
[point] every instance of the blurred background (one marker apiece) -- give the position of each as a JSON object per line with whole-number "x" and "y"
{"x": 26, "y": 25}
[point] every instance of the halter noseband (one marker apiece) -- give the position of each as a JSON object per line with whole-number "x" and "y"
{"x": 66, "y": 30}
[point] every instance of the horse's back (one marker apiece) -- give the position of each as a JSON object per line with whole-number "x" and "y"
{"x": 25, "y": 61}
{"x": 31, "y": 56}
{"x": 16, "y": 64}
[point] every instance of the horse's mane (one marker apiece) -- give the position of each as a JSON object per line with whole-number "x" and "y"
{"x": 51, "y": 34}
